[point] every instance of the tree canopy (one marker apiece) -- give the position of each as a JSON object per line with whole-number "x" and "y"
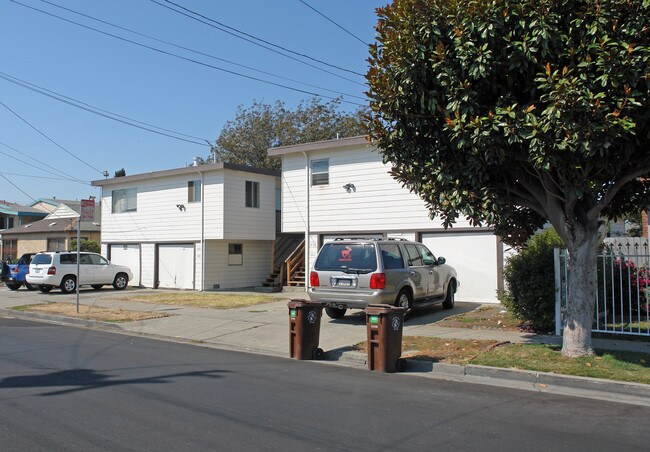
{"x": 247, "y": 138}
{"x": 518, "y": 112}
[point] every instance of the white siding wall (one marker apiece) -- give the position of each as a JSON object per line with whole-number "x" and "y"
{"x": 378, "y": 203}
{"x": 147, "y": 251}
{"x": 255, "y": 269}
{"x": 157, "y": 217}
{"x": 241, "y": 222}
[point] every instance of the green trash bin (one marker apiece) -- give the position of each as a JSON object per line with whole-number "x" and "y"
{"x": 384, "y": 326}
{"x": 304, "y": 329}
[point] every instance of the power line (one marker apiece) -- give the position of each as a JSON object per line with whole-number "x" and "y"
{"x": 211, "y": 23}
{"x": 50, "y": 139}
{"x": 98, "y": 111}
{"x": 199, "y": 52}
{"x": 201, "y": 63}
{"x": 34, "y": 177}
{"x": 60, "y": 173}
{"x": 323, "y": 15}
{"x": 17, "y": 187}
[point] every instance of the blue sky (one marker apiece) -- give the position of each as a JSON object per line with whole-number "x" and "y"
{"x": 49, "y": 148}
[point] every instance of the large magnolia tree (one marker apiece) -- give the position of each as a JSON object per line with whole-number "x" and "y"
{"x": 514, "y": 113}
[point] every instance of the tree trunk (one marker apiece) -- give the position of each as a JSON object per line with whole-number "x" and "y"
{"x": 583, "y": 280}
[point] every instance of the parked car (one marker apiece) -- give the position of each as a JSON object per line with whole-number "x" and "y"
{"x": 59, "y": 269}
{"x": 353, "y": 273}
{"x": 13, "y": 275}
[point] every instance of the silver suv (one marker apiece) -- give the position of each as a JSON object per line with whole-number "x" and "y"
{"x": 59, "y": 269}
{"x": 353, "y": 273}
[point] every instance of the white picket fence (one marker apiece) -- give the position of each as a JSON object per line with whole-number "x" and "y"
{"x": 623, "y": 292}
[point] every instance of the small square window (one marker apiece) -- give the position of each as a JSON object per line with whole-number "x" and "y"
{"x": 320, "y": 172}
{"x": 235, "y": 254}
{"x": 194, "y": 191}
{"x": 125, "y": 200}
{"x": 252, "y": 194}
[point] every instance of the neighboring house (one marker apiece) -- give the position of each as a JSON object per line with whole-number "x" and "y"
{"x": 201, "y": 227}
{"x": 49, "y": 205}
{"x": 54, "y": 232}
{"x": 341, "y": 188}
{"x": 11, "y": 216}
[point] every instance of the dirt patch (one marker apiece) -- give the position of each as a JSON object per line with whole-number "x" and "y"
{"x": 90, "y": 312}
{"x": 206, "y": 300}
{"x": 449, "y": 351}
{"x": 493, "y": 317}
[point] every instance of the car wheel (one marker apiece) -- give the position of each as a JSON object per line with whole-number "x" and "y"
{"x": 451, "y": 296}
{"x": 31, "y": 286}
{"x": 404, "y": 300}
{"x": 68, "y": 284}
{"x": 335, "y": 313}
{"x": 13, "y": 286}
{"x": 96, "y": 286}
{"x": 45, "y": 289}
{"x": 121, "y": 281}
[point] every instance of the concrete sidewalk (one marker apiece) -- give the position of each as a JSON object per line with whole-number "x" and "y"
{"x": 264, "y": 329}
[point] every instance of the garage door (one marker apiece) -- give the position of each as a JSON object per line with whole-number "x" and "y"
{"x": 474, "y": 256}
{"x": 176, "y": 266}
{"x": 128, "y": 255}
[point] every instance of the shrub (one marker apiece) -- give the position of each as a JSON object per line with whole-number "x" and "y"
{"x": 529, "y": 275}
{"x": 86, "y": 245}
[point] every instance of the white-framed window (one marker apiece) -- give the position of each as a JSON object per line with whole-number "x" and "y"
{"x": 252, "y": 194}
{"x": 194, "y": 191}
{"x": 125, "y": 200}
{"x": 320, "y": 172}
{"x": 56, "y": 244}
{"x": 235, "y": 254}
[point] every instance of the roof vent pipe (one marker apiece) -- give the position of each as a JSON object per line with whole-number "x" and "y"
{"x": 196, "y": 161}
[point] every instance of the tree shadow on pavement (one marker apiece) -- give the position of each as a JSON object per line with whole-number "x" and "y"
{"x": 84, "y": 379}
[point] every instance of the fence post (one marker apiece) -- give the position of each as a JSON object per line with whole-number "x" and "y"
{"x": 558, "y": 288}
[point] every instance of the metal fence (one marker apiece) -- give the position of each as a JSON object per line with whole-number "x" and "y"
{"x": 623, "y": 292}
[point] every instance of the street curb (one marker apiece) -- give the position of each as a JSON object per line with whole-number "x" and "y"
{"x": 473, "y": 373}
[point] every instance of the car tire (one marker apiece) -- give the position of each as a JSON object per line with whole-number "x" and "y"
{"x": 450, "y": 299}
{"x": 31, "y": 287}
{"x": 68, "y": 284}
{"x": 96, "y": 286}
{"x": 45, "y": 289}
{"x": 404, "y": 300}
{"x": 121, "y": 281}
{"x": 13, "y": 286}
{"x": 335, "y": 313}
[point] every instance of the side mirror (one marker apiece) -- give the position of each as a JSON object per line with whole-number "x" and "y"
{"x": 441, "y": 260}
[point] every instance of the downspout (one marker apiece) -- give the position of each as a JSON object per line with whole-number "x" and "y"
{"x": 202, "y": 232}
{"x": 307, "y": 230}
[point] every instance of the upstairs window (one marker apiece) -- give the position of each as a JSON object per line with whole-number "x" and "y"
{"x": 125, "y": 200}
{"x": 320, "y": 172}
{"x": 194, "y": 191}
{"x": 252, "y": 194}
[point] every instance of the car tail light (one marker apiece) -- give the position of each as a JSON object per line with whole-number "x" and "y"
{"x": 51, "y": 271}
{"x": 314, "y": 281}
{"x": 378, "y": 281}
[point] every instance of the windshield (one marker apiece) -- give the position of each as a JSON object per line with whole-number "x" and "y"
{"x": 42, "y": 259}
{"x": 347, "y": 257}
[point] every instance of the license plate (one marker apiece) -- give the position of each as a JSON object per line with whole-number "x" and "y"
{"x": 37, "y": 270}
{"x": 343, "y": 283}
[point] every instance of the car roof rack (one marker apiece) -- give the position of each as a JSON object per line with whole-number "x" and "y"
{"x": 376, "y": 239}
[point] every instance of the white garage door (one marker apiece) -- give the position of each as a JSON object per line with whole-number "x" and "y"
{"x": 475, "y": 258}
{"x": 176, "y": 266}
{"x": 128, "y": 255}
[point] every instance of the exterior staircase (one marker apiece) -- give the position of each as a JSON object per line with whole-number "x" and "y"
{"x": 288, "y": 262}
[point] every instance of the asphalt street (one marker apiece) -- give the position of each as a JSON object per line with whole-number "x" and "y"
{"x": 78, "y": 389}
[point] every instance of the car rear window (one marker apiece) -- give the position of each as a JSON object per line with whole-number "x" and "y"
{"x": 344, "y": 256}
{"x": 42, "y": 259}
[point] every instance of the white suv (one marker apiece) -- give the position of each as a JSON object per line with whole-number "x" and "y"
{"x": 59, "y": 269}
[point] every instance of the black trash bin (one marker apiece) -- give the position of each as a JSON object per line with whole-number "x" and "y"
{"x": 384, "y": 326}
{"x": 304, "y": 329}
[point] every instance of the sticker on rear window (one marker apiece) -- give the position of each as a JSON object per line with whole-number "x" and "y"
{"x": 346, "y": 254}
